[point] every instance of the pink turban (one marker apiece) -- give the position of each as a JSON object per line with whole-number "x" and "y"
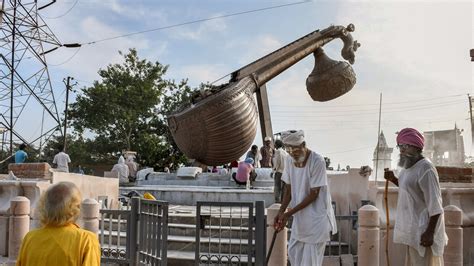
{"x": 412, "y": 137}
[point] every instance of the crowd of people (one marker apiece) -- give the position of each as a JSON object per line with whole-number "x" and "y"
{"x": 125, "y": 169}
{"x": 301, "y": 185}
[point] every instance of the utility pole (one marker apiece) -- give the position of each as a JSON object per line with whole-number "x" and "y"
{"x": 472, "y": 121}
{"x": 68, "y": 88}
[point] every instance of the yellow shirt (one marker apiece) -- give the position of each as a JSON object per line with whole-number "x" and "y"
{"x": 61, "y": 246}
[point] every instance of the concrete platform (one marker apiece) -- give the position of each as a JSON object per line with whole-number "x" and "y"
{"x": 203, "y": 179}
{"x": 189, "y": 195}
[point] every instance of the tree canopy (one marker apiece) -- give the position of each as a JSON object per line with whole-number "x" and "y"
{"x": 126, "y": 110}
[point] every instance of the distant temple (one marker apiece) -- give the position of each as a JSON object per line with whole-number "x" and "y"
{"x": 382, "y": 158}
{"x": 445, "y": 147}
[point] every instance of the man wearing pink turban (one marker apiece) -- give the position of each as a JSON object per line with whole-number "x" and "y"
{"x": 419, "y": 224}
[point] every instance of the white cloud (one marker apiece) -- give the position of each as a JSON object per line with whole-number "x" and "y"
{"x": 202, "y": 73}
{"x": 92, "y": 57}
{"x": 253, "y": 48}
{"x": 200, "y": 31}
{"x": 413, "y": 39}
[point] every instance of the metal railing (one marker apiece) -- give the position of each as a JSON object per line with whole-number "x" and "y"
{"x": 344, "y": 246}
{"x": 153, "y": 232}
{"x": 230, "y": 233}
{"x": 115, "y": 243}
{"x": 136, "y": 236}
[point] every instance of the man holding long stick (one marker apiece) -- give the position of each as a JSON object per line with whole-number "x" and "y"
{"x": 306, "y": 188}
{"x": 419, "y": 224}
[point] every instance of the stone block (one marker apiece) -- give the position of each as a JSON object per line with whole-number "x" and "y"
{"x": 331, "y": 261}
{"x": 32, "y": 189}
{"x": 189, "y": 172}
{"x": 20, "y": 206}
{"x": 4, "y": 236}
{"x": 8, "y": 190}
{"x": 30, "y": 170}
{"x": 111, "y": 174}
{"x": 92, "y": 186}
{"x": 19, "y": 225}
{"x": 455, "y": 174}
{"x": 347, "y": 260}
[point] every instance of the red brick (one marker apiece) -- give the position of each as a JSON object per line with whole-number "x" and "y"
{"x": 467, "y": 171}
{"x": 30, "y": 170}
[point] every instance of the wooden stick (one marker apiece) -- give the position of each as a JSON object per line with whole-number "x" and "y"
{"x": 271, "y": 246}
{"x": 388, "y": 221}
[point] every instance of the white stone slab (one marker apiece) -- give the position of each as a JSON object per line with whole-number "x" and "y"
{"x": 191, "y": 172}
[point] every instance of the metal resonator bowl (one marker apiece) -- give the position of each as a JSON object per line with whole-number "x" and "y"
{"x": 220, "y": 128}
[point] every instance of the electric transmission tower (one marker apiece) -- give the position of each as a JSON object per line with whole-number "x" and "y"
{"x": 28, "y": 111}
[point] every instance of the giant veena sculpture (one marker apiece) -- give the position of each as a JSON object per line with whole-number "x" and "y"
{"x": 220, "y": 124}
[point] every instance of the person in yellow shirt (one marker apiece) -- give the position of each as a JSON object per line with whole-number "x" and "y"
{"x": 60, "y": 242}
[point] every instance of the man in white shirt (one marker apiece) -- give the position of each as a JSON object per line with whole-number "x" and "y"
{"x": 278, "y": 167}
{"x": 419, "y": 224}
{"x": 307, "y": 192}
{"x": 62, "y": 160}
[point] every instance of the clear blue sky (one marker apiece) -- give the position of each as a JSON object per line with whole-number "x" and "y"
{"x": 414, "y": 52}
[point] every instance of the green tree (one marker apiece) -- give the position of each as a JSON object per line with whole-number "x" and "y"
{"x": 127, "y": 108}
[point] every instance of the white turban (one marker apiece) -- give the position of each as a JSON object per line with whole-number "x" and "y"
{"x": 292, "y": 137}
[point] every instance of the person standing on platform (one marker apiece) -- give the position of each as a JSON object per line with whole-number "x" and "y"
{"x": 62, "y": 160}
{"x": 419, "y": 224}
{"x": 278, "y": 167}
{"x": 267, "y": 152}
{"x": 21, "y": 155}
{"x": 307, "y": 193}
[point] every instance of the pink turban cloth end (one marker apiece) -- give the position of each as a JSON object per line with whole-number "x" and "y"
{"x": 412, "y": 137}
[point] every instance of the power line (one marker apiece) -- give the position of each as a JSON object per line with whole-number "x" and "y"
{"x": 338, "y": 123}
{"x": 372, "y": 109}
{"x": 365, "y": 112}
{"x": 67, "y": 60}
{"x": 193, "y": 22}
{"x": 64, "y": 14}
{"x": 370, "y": 104}
{"x": 358, "y": 149}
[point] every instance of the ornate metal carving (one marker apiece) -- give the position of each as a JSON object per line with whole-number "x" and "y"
{"x": 116, "y": 253}
{"x": 329, "y": 78}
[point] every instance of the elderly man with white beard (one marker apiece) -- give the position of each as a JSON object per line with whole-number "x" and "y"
{"x": 306, "y": 190}
{"x": 419, "y": 223}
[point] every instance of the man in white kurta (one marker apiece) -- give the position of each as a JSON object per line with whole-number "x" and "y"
{"x": 419, "y": 223}
{"x": 307, "y": 194}
{"x": 62, "y": 161}
{"x": 278, "y": 166}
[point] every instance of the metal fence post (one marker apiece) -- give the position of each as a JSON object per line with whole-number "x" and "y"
{"x": 164, "y": 254}
{"x": 260, "y": 233}
{"x": 197, "y": 259}
{"x": 133, "y": 230}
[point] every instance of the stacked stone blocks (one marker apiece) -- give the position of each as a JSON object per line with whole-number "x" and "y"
{"x": 30, "y": 170}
